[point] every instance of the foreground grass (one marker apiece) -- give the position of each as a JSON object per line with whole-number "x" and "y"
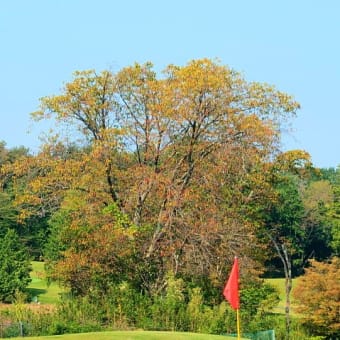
{"x": 133, "y": 335}
{"x": 39, "y": 288}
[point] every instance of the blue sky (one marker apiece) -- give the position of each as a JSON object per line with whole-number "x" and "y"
{"x": 294, "y": 45}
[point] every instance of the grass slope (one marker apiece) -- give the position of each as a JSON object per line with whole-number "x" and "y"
{"x": 39, "y": 288}
{"x": 133, "y": 335}
{"x": 280, "y": 285}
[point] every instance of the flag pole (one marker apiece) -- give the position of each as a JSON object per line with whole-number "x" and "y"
{"x": 238, "y": 324}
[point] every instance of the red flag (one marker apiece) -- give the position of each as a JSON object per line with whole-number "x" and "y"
{"x": 230, "y": 291}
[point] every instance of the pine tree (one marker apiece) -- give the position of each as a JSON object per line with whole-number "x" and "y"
{"x": 14, "y": 266}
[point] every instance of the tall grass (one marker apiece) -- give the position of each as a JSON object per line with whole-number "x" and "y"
{"x": 179, "y": 309}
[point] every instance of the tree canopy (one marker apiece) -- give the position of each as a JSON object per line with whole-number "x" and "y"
{"x": 186, "y": 159}
{"x": 158, "y": 179}
{"x": 182, "y": 155}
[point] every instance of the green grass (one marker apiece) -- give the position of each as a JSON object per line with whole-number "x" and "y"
{"x": 132, "y": 335}
{"x": 50, "y": 294}
{"x": 280, "y": 285}
{"x": 39, "y": 288}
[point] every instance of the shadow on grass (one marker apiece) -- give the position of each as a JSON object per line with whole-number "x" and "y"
{"x": 35, "y": 292}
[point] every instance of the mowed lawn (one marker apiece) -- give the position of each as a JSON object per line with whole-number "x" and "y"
{"x": 280, "y": 285}
{"x": 39, "y": 288}
{"x": 132, "y": 335}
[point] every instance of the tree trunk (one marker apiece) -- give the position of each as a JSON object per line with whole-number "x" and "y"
{"x": 287, "y": 266}
{"x": 288, "y": 287}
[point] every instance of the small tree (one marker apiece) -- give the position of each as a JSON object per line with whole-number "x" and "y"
{"x": 283, "y": 214}
{"x": 318, "y": 297}
{"x": 14, "y": 267}
{"x": 283, "y": 229}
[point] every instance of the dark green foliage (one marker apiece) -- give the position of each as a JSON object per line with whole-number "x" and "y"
{"x": 176, "y": 308}
{"x": 55, "y": 243}
{"x": 34, "y": 234}
{"x": 32, "y": 231}
{"x": 285, "y": 215}
{"x": 14, "y": 266}
{"x": 8, "y": 214}
{"x": 259, "y": 298}
{"x": 330, "y": 174}
{"x": 333, "y": 214}
{"x": 283, "y": 218}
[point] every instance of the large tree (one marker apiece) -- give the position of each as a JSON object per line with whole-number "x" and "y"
{"x": 183, "y": 156}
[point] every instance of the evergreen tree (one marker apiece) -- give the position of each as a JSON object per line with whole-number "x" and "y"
{"x": 14, "y": 266}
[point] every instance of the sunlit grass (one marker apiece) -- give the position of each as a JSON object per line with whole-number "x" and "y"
{"x": 39, "y": 288}
{"x": 133, "y": 335}
{"x": 280, "y": 285}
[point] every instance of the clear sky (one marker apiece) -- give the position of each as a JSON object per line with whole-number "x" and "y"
{"x": 292, "y": 44}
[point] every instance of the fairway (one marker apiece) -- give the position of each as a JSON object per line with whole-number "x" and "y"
{"x": 279, "y": 283}
{"x": 133, "y": 335}
{"x": 45, "y": 293}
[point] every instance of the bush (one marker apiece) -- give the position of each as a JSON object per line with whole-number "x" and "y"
{"x": 318, "y": 297}
{"x": 176, "y": 308}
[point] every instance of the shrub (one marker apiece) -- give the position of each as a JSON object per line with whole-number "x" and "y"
{"x": 318, "y": 297}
